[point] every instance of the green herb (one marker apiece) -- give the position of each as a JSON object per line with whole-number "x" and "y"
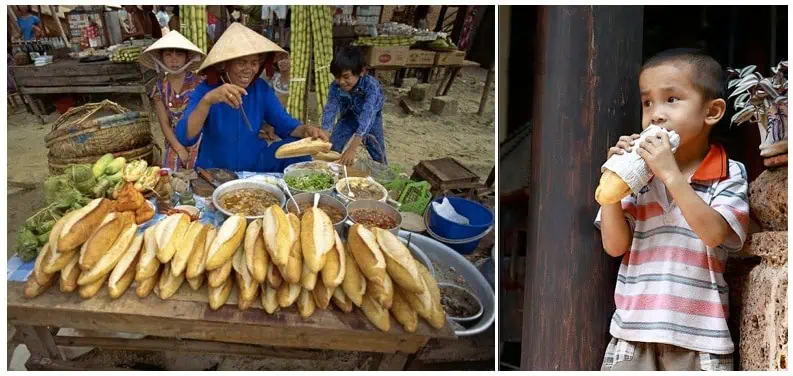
{"x": 311, "y": 182}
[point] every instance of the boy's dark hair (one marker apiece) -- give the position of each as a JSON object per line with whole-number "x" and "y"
{"x": 706, "y": 73}
{"x": 349, "y": 58}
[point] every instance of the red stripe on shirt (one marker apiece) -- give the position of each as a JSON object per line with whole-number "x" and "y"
{"x": 674, "y": 254}
{"x": 741, "y": 216}
{"x": 643, "y": 212}
{"x": 671, "y": 303}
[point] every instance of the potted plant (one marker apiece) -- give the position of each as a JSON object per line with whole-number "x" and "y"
{"x": 762, "y": 100}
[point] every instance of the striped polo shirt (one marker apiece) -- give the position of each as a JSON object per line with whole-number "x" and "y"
{"x": 670, "y": 286}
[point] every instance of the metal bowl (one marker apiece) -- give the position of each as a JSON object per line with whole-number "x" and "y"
{"x": 342, "y": 191}
{"x": 372, "y": 204}
{"x": 300, "y": 173}
{"x": 473, "y": 317}
{"x": 334, "y": 169}
{"x": 245, "y": 183}
{"x": 331, "y": 201}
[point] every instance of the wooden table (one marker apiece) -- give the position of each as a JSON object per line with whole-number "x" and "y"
{"x": 451, "y": 73}
{"x": 70, "y": 76}
{"x": 197, "y": 327}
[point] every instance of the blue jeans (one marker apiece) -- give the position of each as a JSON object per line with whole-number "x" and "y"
{"x": 374, "y": 141}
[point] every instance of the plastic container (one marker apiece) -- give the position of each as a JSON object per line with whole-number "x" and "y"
{"x": 479, "y": 217}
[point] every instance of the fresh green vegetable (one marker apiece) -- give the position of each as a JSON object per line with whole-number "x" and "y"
{"x": 27, "y": 244}
{"x": 100, "y": 165}
{"x": 314, "y": 182}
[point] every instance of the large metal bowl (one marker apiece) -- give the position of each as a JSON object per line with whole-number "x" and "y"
{"x": 331, "y": 201}
{"x": 245, "y": 183}
{"x": 300, "y": 173}
{"x": 447, "y": 257}
{"x": 372, "y": 204}
{"x": 342, "y": 192}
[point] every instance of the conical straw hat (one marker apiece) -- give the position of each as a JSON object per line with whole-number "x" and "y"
{"x": 238, "y": 41}
{"x": 172, "y": 40}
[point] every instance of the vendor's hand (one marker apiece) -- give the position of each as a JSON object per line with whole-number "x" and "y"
{"x": 657, "y": 152}
{"x": 348, "y": 157}
{"x": 183, "y": 154}
{"x": 227, "y": 93}
{"x": 307, "y": 131}
{"x": 624, "y": 144}
{"x": 267, "y": 133}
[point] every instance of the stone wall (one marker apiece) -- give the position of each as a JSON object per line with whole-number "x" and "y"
{"x": 758, "y": 279}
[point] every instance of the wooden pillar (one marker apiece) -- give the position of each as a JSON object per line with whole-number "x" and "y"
{"x": 585, "y": 96}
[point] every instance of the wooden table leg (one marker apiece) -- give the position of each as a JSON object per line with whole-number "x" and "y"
{"x": 486, "y": 90}
{"x": 442, "y": 83}
{"x": 39, "y": 341}
{"x": 425, "y": 75}
{"x": 399, "y": 77}
{"x": 455, "y": 71}
{"x": 392, "y": 362}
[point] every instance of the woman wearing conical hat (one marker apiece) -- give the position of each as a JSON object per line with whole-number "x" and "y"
{"x": 175, "y": 59}
{"x": 214, "y": 113}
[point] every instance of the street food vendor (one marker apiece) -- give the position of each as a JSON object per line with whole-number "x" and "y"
{"x": 229, "y": 136}
{"x": 175, "y": 58}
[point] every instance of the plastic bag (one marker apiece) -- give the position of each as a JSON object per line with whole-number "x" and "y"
{"x": 446, "y": 210}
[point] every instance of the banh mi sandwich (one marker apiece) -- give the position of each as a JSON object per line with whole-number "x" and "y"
{"x": 108, "y": 261}
{"x": 246, "y": 285}
{"x": 197, "y": 263}
{"x": 124, "y": 272}
{"x": 335, "y": 264}
{"x": 192, "y": 242}
{"x": 35, "y": 287}
{"x": 305, "y": 304}
{"x": 611, "y": 189}
{"x": 196, "y": 283}
{"x": 287, "y": 294}
{"x": 77, "y": 228}
{"x": 100, "y": 241}
{"x": 269, "y": 300}
{"x": 90, "y": 290}
{"x": 55, "y": 233}
{"x": 364, "y": 248}
{"x": 400, "y": 264}
{"x": 169, "y": 284}
{"x": 383, "y": 294}
{"x": 404, "y": 314}
{"x": 376, "y": 313}
{"x": 322, "y": 294}
{"x": 256, "y": 256}
{"x": 437, "y": 317}
{"x": 219, "y": 295}
{"x": 217, "y": 277}
{"x": 38, "y": 265}
{"x": 354, "y": 283}
{"x": 274, "y": 277}
{"x": 302, "y": 147}
{"x": 69, "y": 274}
{"x": 341, "y": 300}
{"x": 227, "y": 241}
{"x": 308, "y": 279}
{"x": 148, "y": 263}
{"x": 170, "y": 233}
{"x": 279, "y": 236}
{"x": 294, "y": 266}
{"x": 316, "y": 238}
{"x": 330, "y": 156}
{"x": 145, "y": 287}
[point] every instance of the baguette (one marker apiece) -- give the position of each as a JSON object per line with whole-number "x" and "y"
{"x": 246, "y": 285}
{"x": 196, "y": 283}
{"x": 109, "y": 260}
{"x": 227, "y": 241}
{"x": 101, "y": 240}
{"x": 287, "y": 294}
{"x": 219, "y": 295}
{"x": 197, "y": 263}
{"x": 55, "y": 261}
{"x": 148, "y": 264}
{"x": 421, "y": 302}
{"x": 256, "y": 257}
{"x": 316, "y": 237}
{"x": 169, "y": 283}
{"x": 383, "y": 294}
{"x": 376, "y": 314}
{"x": 308, "y": 279}
{"x": 305, "y": 304}
{"x": 322, "y": 294}
{"x": 342, "y": 300}
{"x": 294, "y": 267}
{"x": 192, "y": 242}
{"x": 404, "y": 313}
{"x": 246, "y": 295}
{"x": 330, "y": 156}
{"x": 34, "y": 287}
{"x": 124, "y": 272}
{"x": 38, "y": 266}
{"x": 303, "y": 147}
{"x": 55, "y": 233}
{"x": 78, "y": 227}
{"x": 69, "y": 274}
{"x": 279, "y": 236}
{"x": 274, "y": 277}
{"x": 400, "y": 264}
{"x": 354, "y": 283}
{"x": 170, "y": 233}
{"x": 145, "y": 287}
{"x": 611, "y": 189}
{"x": 437, "y": 317}
{"x": 90, "y": 290}
{"x": 269, "y": 301}
{"x": 367, "y": 254}
{"x": 218, "y": 277}
{"x": 335, "y": 264}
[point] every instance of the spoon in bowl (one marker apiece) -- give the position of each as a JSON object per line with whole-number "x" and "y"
{"x": 316, "y": 200}
{"x": 288, "y": 192}
{"x": 349, "y": 190}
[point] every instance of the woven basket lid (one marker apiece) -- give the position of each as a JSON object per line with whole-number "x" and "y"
{"x": 172, "y": 40}
{"x": 238, "y": 41}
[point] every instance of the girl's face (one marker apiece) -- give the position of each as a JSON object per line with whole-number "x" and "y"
{"x": 242, "y": 70}
{"x": 174, "y": 59}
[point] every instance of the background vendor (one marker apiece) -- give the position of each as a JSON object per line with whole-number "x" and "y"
{"x": 358, "y": 100}
{"x": 214, "y": 113}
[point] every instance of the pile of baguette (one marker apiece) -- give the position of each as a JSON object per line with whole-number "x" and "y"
{"x": 279, "y": 258}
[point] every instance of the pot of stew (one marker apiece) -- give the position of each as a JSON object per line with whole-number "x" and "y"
{"x": 372, "y": 213}
{"x": 330, "y": 205}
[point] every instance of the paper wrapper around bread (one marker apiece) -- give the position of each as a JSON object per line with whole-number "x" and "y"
{"x": 626, "y": 173}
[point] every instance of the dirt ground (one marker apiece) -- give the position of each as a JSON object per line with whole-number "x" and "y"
{"x": 466, "y": 136}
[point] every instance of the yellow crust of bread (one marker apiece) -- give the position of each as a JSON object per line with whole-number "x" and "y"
{"x": 227, "y": 241}
{"x": 120, "y": 286}
{"x": 55, "y": 233}
{"x": 69, "y": 274}
{"x": 219, "y": 295}
{"x": 108, "y": 261}
{"x": 294, "y": 267}
{"x": 196, "y": 283}
{"x": 331, "y": 156}
{"x": 78, "y": 228}
{"x": 269, "y": 300}
{"x": 287, "y": 294}
{"x": 364, "y": 248}
{"x": 170, "y": 234}
{"x": 354, "y": 283}
{"x": 33, "y": 288}
{"x": 341, "y": 300}
{"x": 383, "y": 294}
{"x": 91, "y": 290}
{"x": 256, "y": 256}
{"x": 169, "y": 284}
{"x": 322, "y": 294}
{"x": 305, "y": 304}
{"x": 437, "y": 317}
{"x": 274, "y": 277}
{"x": 145, "y": 287}
{"x": 38, "y": 266}
{"x": 278, "y": 234}
{"x": 100, "y": 240}
{"x": 302, "y": 147}
{"x": 148, "y": 263}
{"x": 611, "y": 189}
{"x": 246, "y": 291}
{"x": 376, "y": 314}
{"x": 192, "y": 242}
{"x": 404, "y": 314}
{"x": 316, "y": 238}
{"x": 217, "y": 277}
{"x": 335, "y": 264}
{"x": 400, "y": 264}
{"x": 197, "y": 263}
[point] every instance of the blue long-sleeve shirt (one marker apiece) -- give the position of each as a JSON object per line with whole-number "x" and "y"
{"x": 360, "y": 106}
{"x": 228, "y": 143}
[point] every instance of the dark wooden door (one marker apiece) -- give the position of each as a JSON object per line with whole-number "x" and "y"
{"x": 585, "y": 97}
